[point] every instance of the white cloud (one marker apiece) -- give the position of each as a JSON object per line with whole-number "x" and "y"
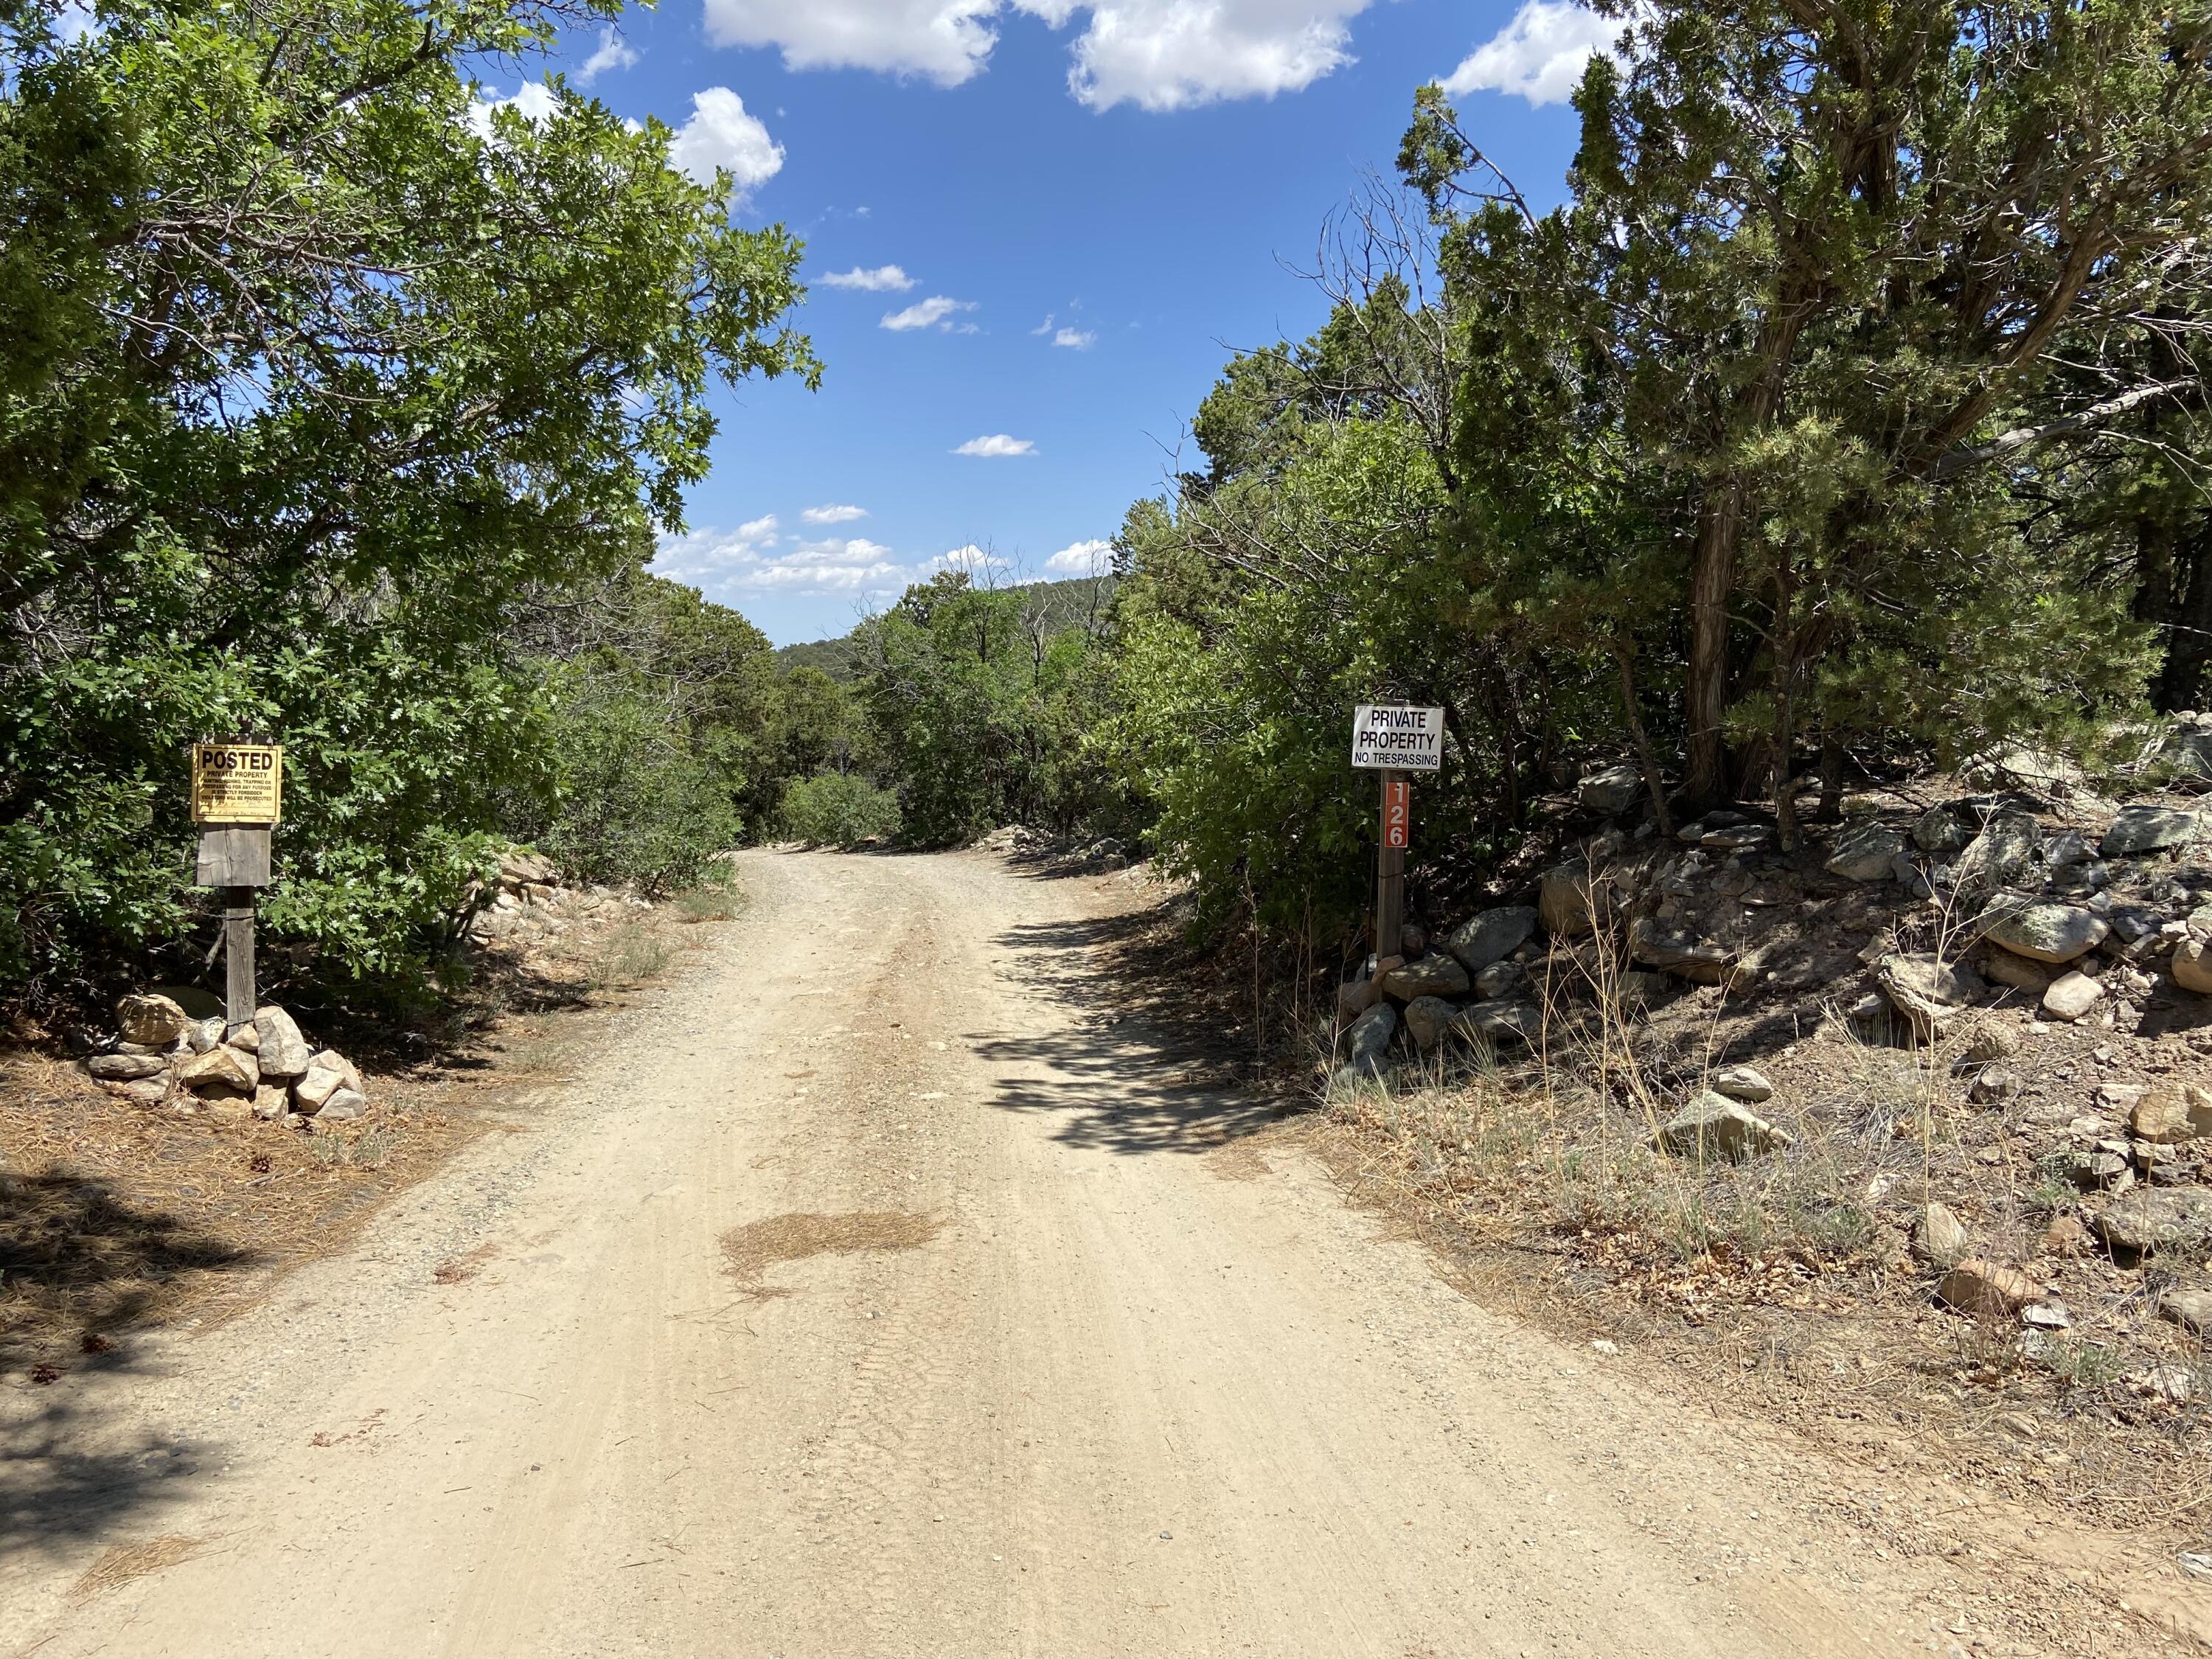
{"x": 1540, "y": 55}
{"x": 533, "y": 101}
{"x": 997, "y": 445}
{"x": 1044, "y": 328}
{"x": 884, "y": 279}
{"x": 834, "y": 514}
{"x": 936, "y": 312}
{"x": 720, "y": 134}
{"x": 1158, "y": 54}
{"x": 1075, "y": 339}
{"x": 1082, "y": 559}
{"x": 975, "y": 560}
{"x": 745, "y": 561}
{"x": 945, "y": 40}
{"x": 613, "y": 53}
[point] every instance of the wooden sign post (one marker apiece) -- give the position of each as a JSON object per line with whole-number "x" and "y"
{"x": 1394, "y": 739}
{"x": 238, "y": 791}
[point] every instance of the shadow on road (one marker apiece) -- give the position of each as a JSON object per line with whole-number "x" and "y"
{"x": 1143, "y": 1067}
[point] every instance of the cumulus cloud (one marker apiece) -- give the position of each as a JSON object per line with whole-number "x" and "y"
{"x": 1075, "y": 339}
{"x": 1540, "y": 55}
{"x": 834, "y": 514}
{"x": 747, "y": 560}
{"x": 975, "y": 561}
{"x": 613, "y": 53}
{"x": 995, "y": 447}
{"x": 884, "y": 279}
{"x": 936, "y": 312}
{"x": 1081, "y": 559}
{"x": 1158, "y": 54}
{"x": 533, "y": 101}
{"x": 721, "y": 134}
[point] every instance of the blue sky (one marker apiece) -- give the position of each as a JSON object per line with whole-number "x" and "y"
{"x": 1087, "y": 208}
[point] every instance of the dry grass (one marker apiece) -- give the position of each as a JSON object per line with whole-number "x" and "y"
{"x": 748, "y": 1252}
{"x": 119, "y": 1566}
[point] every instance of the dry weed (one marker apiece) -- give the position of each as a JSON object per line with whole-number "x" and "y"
{"x": 119, "y": 1565}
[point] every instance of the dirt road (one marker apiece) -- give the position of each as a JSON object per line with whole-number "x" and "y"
{"x": 877, "y": 1291}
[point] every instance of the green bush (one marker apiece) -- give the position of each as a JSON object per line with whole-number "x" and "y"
{"x": 838, "y": 810}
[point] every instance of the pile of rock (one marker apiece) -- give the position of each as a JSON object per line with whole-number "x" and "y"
{"x": 161, "y": 1056}
{"x": 528, "y": 903}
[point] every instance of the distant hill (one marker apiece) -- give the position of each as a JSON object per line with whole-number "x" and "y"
{"x": 1067, "y": 604}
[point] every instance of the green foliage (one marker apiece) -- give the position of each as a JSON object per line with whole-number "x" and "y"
{"x": 308, "y": 392}
{"x": 838, "y": 809}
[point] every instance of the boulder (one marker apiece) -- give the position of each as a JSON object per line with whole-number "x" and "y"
{"x": 342, "y": 1107}
{"x": 320, "y": 1084}
{"x": 1505, "y": 1020}
{"x": 1983, "y": 1290}
{"x": 2072, "y": 997}
{"x": 1426, "y": 1018}
{"x": 1715, "y": 1127}
{"x": 2192, "y": 966}
{"x": 1998, "y": 856}
{"x": 1436, "y": 974}
{"x": 155, "y": 1022}
{"x": 245, "y": 1039}
{"x": 1739, "y": 838}
{"x": 203, "y": 1035}
{"x": 1992, "y": 1041}
{"x": 1743, "y": 1083}
{"x": 1365, "y": 1044}
{"x": 1939, "y": 1237}
{"x": 1994, "y": 1085}
{"x": 1490, "y": 936}
{"x": 2002, "y": 967}
{"x": 1500, "y": 979}
{"x": 2172, "y": 1111}
{"x": 330, "y": 1060}
{"x": 284, "y": 1052}
{"x": 1610, "y": 790}
{"x": 2047, "y": 933}
{"x": 2153, "y": 1218}
{"x": 1925, "y": 988}
{"x": 518, "y": 866}
{"x": 271, "y": 1101}
{"x": 140, "y": 1092}
{"x": 1563, "y": 900}
{"x": 2191, "y": 1309}
{"x": 1863, "y": 853}
{"x": 1937, "y": 833}
{"x": 125, "y": 1068}
{"x": 2149, "y": 830}
{"x": 1355, "y": 998}
{"x": 222, "y": 1068}
{"x": 1678, "y": 951}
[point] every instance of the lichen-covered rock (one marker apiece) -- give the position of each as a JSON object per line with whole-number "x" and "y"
{"x": 1426, "y": 1019}
{"x": 2149, "y": 830}
{"x": 2047, "y": 931}
{"x": 1490, "y": 936}
{"x": 1436, "y": 974}
{"x": 1938, "y": 833}
{"x": 1996, "y": 856}
{"x": 1863, "y": 853}
{"x": 1715, "y": 1127}
{"x": 2153, "y": 1218}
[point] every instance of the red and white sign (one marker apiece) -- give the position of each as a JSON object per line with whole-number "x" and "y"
{"x": 1397, "y": 814}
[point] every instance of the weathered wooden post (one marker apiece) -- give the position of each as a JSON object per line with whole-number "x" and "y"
{"x": 238, "y": 788}
{"x": 1394, "y": 739}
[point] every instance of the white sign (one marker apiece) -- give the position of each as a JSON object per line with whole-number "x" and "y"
{"x": 1394, "y": 736}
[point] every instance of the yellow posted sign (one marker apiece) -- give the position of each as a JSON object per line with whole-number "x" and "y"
{"x": 237, "y": 782}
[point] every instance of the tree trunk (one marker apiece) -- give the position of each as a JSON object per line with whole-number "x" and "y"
{"x": 1644, "y": 756}
{"x": 1712, "y": 578}
{"x": 2187, "y": 624}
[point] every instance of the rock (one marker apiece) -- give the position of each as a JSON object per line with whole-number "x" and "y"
{"x": 2048, "y": 1315}
{"x": 1507, "y": 1019}
{"x": 2148, "y": 829}
{"x": 1426, "y": 1018}
{"x": 1995, "y": 1084}
{"x": 271, "y": 1101}
{"x": 2072, "y": 997}
{"x": 1563, "y": 900}
{"x": 284, "y": 1052}
{"x": 1863, "y": 853}
{"x": 2153, "y": 1218}
{"x": 518, "y": 866}
{"x": 1436, "y": 974}
{"x": 2172, "y": 1111}
{"x": 230, "y": 1110}
{"x": 1738, "y": 838}
{"x": 246, "y": 1040}
{"x": 330, "y": 1060}
{"x": 2065, "y": 1236}
{"x": 1412, "y": 940}
{"x": 1354, "y": 999}
{"x": 1677, "y": 950}
{"x": 1611, "y": 790}
{"x": 203, "y": 1035}
{"x": 2192, "y": 1309}
{"x": 1365, "y": 1044}
{"x": 125, "y": 1068}
{"x": 2002, "y": 967}
{"x": 1715, "y": 1127}
{"x": 342, "y": 1107}
{"x": 1638, "y": 989}
{"x": 221, "y": 1068}
{"x": 1939, "y": 1237}
{"x": 1491, "y": 936}
{"x": 1983, "y": 1290}
{"x": 1910, "y": 876}
{"x": 1925, "y": 988}
{"x": 2047, "y": 933}
{"x": 2099, "y": 1171}
{"x": 141, "y": 1091}
{"x": 321, "y": 1082}
{"x": 1992, "y": 1041}
{"x": 155, "y": 1021}
{"x": 1996, "y": 856}
{"x": 2192, "y": 966}
{"x": 1500, "y": 979}
{"x": 1937, "y": 833}
{"x": 1743, "y": 1083}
